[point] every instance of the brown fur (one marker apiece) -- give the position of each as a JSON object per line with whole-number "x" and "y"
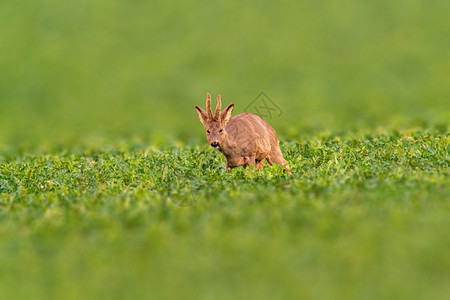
{"x": 245, "y": 140}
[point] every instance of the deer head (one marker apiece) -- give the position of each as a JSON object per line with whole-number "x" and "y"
{"x": 215, "y": 124}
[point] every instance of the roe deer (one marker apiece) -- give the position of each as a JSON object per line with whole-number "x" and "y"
{"x": 245, "y": 140}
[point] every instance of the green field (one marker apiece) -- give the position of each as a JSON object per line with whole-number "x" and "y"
{"x": 109, "y": 189}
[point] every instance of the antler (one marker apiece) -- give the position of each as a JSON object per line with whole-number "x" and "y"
{"x": 218, "y": 109}
{"x": 208, "y": 106}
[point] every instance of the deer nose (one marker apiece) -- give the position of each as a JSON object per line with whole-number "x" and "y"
{"x": 215, "y": 144}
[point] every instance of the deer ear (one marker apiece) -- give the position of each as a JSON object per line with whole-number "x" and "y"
{"x": 202, "y": 115}
{"x": 225, "y": 115}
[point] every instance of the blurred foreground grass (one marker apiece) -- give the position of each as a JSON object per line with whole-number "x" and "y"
{"x": 108, "y": 188}
{"x": 360, "y": 218}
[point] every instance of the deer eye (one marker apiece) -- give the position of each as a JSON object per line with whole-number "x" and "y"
{"x": 220, "y": 130}
{"x": 207, "y": 131}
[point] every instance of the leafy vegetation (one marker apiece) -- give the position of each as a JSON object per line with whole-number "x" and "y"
{"x": 360, "y": 217}
{"x": 108, "y": 188}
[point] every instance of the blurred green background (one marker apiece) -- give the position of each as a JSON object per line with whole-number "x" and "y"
{"x": 75, "y": 71}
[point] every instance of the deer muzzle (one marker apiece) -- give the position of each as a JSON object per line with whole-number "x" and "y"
{"x": 215, "y": 144}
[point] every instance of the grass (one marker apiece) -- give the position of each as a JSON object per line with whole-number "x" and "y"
{"x": 108, "y": 188}
{"x": 361, "y": 217}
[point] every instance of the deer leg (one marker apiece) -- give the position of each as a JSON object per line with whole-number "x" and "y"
{"x": 276, "y": 156}
{"x": 228, "y": 168}
{"x": 259, "y": 165}
{"x": 252, "y": 160}
{"x": 249, "y": 161}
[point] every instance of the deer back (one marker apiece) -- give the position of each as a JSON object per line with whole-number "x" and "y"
{"x": 248, "y": 134}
